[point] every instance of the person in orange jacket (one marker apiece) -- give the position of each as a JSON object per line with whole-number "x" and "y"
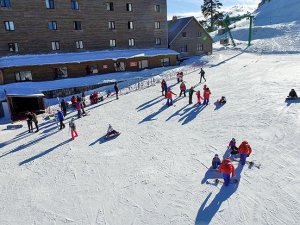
{"x": 206, "y": 96}
{"x": 182, "y": 89}
{"x": 169, "y": 97}
{"x": 199, "y": 97}
{"x": 226, "y": 168}
{"x": 245, "y": 151}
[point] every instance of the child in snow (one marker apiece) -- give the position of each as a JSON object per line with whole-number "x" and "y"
{"x": 216, "y": 162}
{"x": 110, "y": 131}
{"x": 206, "y": 96}
{"x": 245, "y": 151}
{"x": 226, "y": 168}
{"x": 60, "y": 118}
{"x": 78, "y": 108}
{"x": 198, "y": 97}
{"x": 222, "y": 100}
{"x": 169, "y": 97}
{"x": 232, "y": 146}
{"x": 164, "y": 87}
{"x": 72, "y": 126}
{"x": 182, "y": 89}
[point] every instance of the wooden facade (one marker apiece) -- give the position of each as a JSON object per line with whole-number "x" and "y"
{"x": 188, "y": 37}
{"x": 26, "y": 25}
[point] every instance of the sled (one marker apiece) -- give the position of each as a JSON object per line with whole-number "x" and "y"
{"x": 216, "y": 181}
{"x": 111, "y": 136}
{"x": 292, "y": 99}
{"x": 14, "y": 126}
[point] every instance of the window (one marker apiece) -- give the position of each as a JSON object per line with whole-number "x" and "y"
{"x": 50, "y": 4}
{"x": 52, "y": 25}
{"x": 157, "y": 41}
{"x": 199, "y": 47}
{"x": 112, "y": 43}
{"x": 77, "y": 25}
{"x": 183, "y": 49}
{"x": 9, "y": 25}
{"x": 55, "y": 45}
{"x": 13, "y": 47}
{"x": 79, "y": 44}
{"x": 23, "y": 76}
{"x": 61, "y": 72}
{"x": 130, "y": 25}
{"x": 74, "y": 5}
{"x": 157, "y": 25}
{"x": 131, "y": 42}
{"x": 157, "y": 8}
{"x": 199, "y": 34}
{"x": 110, "y": 6}
{"x": 165, "y": 62}
{"x": 129, "y": 7}
{"x": 183, "y": 34}
{"x": 111, "y": 25}
{"x": 5, "y": 3}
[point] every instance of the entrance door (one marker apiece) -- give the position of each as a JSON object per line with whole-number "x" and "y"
{"x": 143, "y": 64}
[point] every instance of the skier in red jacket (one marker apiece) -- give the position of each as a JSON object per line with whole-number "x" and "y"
{"x": 245, "y": 151}
{"x": 226, "y": 168}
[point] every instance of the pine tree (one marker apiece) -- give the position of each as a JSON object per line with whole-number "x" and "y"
{"x": 210, "y": 10}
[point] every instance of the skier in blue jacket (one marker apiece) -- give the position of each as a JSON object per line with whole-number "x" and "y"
{"x": 60, "y": 118}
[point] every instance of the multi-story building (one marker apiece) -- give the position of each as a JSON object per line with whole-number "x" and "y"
{"x": 64, "y": 26}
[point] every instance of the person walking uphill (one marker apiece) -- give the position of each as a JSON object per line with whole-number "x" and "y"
{"x": 202, "y": 72}
{"x": 245, "y": 151}
{"x": 169, "y": 97}
{"x": 191, "y": 92}
{"x": 182, "y": 89}
{"x": 72, "y": 126}
{"x": 116, "y": 90}
{"x": 226, "y": 168}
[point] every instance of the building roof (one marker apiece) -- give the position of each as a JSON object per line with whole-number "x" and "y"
{"x": 61, "y": 58}
{"x": 176, "y": 26}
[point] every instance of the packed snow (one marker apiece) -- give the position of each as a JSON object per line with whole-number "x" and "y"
{"x": 156, "y": 171}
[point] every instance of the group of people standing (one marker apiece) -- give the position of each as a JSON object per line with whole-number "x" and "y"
{"x": 32, "y": 118}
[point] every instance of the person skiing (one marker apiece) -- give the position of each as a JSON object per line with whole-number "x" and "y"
{"x": 245, "y": 151}
{"x": 232, "y": 146}
{"x": 293, "y": 94}
{"x": 63, "y": 107}
{"x": 116, "y": 90}
{"x": 169, "y": 97}
{"x": 111, "y": 131}
{"x": 34, "y": 119}
{"x": 78, "y": 108}
{"x": 198, "y": 97}
{"x": 206, "y": 96}
{"x": 72, "y": 126}
{"x": 226, "y": 168}
{"x": 182, "y": 89}
{"x": 202, "y": 72}
{"x": 222, "y": 100}
{"x": 191, "y": 92}
{"x": 216, "y": 162}
{"x": 60, "y": 118}
{"x": 29, "y": 121}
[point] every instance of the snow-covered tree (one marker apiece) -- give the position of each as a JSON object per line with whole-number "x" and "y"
{"x": 210, "y": 10}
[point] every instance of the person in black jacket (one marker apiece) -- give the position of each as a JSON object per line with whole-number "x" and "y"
{"x": 293, "y": 94}
{"x": 29, "y": 121}
{"x": 202, "y": 72}
{"x": 116, "y": 90}
{"x": 63, "y": 106}
{"x": 191, "y": 92}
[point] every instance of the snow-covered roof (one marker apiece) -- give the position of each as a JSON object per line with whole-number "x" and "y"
{"x": 44, "y": 59}
{"x": 23, "y": 92}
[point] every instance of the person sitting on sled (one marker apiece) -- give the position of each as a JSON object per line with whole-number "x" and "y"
{"x": 111, "y": 131}
{"x": 293, "y": 94}
{"x": 216, "y": 162}
{"x": 222, "y": 100}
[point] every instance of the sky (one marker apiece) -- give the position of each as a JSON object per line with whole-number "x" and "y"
{"x": 193, "y": 7}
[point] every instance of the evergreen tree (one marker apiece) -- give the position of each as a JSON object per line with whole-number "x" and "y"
{"x": 210, "y": 10}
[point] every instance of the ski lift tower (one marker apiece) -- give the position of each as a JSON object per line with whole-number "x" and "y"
{"x": 230, "y": 20}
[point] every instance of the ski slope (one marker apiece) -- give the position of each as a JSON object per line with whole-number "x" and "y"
{"x": 155, "y": 171}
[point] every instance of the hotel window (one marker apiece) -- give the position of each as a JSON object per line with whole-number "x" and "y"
{"x": 157, "y": 41}
{"x": 55, "y": 45}
{"x": 112, "y": 43}
{"x": 79, "y": 44}
{"x": 157, "y": 8}
{"x": 50, "y": 4}
{"x": 199, "y": 47}
{"x": 130, "y": 25}
{"x": 74, "y": 5}
{"x": 13, "y": 47}
{"x": 52, "y": 25}
{"x": 131, "y": 42}
{"x": 157, "y": 25}
{"x": 5, "y": 3}
{"x": 77, "y": 25}
{"x": 183, "y": 49}
{"x": 199, "y": 34}
{"x": 183, "y": 34}
{"x": 9, "y": 25}
{"x": 129, "y": 7}
{"x": 110, "y": 6}
{"x": 23, "y": 76}
{"x": 111, "y": 25}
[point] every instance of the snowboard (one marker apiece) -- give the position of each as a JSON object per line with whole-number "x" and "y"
{"x": 291, "y": 99}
